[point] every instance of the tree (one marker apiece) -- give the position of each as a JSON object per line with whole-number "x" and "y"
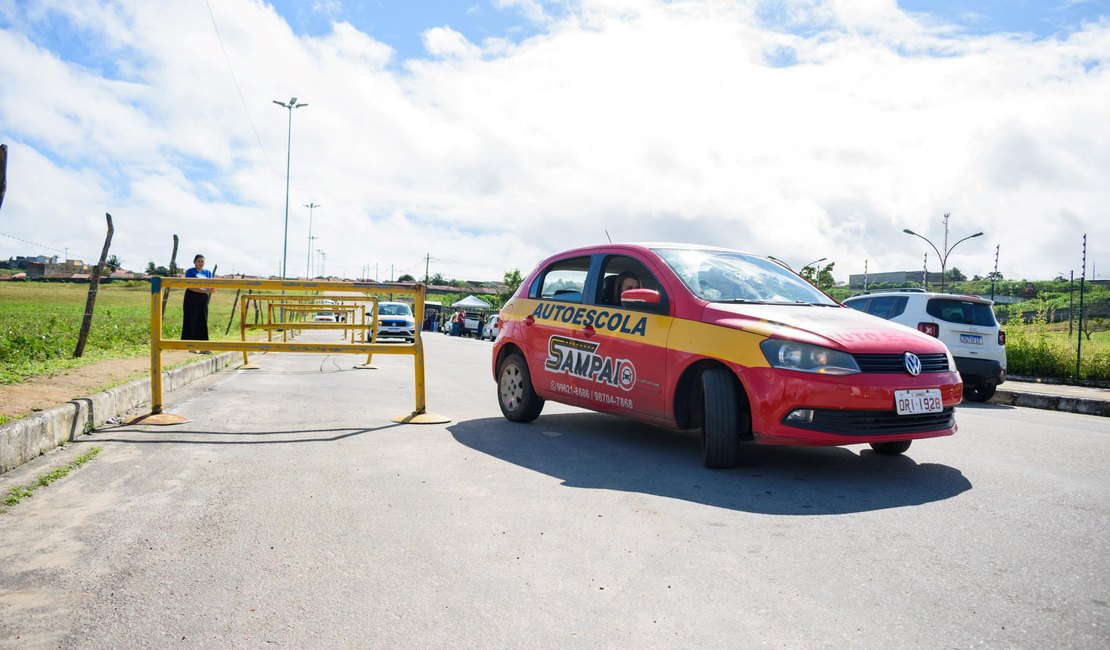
{"x": 954, "y": 275}
{"x": 151, "y": 269}
{"x": 438, "y": 279}
{"x": 820, "y": 277}
{"x": 114, "y": 262}
{"x": 513, "y": 278}
{"x": 406, "y": 278}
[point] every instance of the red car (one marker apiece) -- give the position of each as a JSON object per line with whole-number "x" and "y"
{"x": 733, "y": 344}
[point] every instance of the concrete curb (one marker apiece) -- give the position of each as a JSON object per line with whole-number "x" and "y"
{"x": 36, "y": 434}
{"x": 1052, "y": 402}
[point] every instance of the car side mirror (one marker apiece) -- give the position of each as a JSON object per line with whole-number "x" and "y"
{"x": 645, "y": 299}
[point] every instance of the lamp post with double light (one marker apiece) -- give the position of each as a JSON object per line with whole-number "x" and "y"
{"x": 288, "y": 157}
{"x": 947, "y": 249}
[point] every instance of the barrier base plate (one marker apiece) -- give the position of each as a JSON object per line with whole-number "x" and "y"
{"x": 247, "y": 366}
{"x": 421, "y": 418}
{"x": 366, "y": 366}
{"x": 160, "y": 419}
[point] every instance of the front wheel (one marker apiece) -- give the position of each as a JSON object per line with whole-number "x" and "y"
{"x": 979, "y": 392}
{"x": 515, "y": 395}
{"x": 720, "y": 417}
{"x": 891, "y": 448}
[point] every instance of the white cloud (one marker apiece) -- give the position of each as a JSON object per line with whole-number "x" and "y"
{"x": 446, "y": 42}
{"x": 655, "y": 121}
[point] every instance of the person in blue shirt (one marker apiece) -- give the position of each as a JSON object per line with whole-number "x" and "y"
{"x": 195, "y": 325}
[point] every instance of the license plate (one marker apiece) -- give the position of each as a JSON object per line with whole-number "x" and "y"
{"x": 914, "y": 402}
{"x": 971, "y": 338}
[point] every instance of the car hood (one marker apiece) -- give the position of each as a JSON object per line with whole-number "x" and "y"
{"x": 839, "y": 328}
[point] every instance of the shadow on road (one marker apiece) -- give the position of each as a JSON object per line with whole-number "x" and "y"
{"x": 597, "y": 451}
{"x": 153, "y": 435}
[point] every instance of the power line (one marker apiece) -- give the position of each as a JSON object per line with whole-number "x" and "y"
{"x": 235, "y": 81}
{"x": 51, "y": 248}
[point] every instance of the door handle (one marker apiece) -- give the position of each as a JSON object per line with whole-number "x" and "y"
{"x": 588, "y": 331}
{"x": 529, "y": 320}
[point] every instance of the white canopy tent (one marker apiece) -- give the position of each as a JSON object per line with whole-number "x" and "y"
{"x": 471, "y": 302}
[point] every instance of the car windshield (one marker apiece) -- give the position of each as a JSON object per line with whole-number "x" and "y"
{"x": 729, "y": 276}
{"x": 394, "y": 310}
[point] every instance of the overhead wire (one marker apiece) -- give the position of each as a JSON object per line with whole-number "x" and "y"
{"x": 235, "y": 81}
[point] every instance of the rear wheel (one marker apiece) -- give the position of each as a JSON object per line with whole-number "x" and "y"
{"x": 979, "y": 392}
{"x": 720, "y": 416}
{"x": 891, "y": 448}
{"x": 515, "y": 395}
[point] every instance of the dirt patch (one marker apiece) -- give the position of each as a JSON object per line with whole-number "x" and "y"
{"x": 41, "y": 393}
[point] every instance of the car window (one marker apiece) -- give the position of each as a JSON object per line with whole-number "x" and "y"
{"x": 728, "y": 276}
{"x": 624, "y": 270}
{"x": 394, "y": 310}
{"x": 858, "y": 305}
{"x": 964, "y": 312}
{"x": 563, "y": 280}
{"x": 887, "y": 306}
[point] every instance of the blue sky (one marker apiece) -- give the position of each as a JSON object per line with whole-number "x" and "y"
{"x": 838, "y": 122}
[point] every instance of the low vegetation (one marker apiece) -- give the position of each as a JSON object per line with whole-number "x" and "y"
{"x": 21, "y": 492}
{"x": 39, "y": 324}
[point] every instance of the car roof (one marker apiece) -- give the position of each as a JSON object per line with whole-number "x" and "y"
{"x": 646, "y": 247}
{"x": 926, "y": 294}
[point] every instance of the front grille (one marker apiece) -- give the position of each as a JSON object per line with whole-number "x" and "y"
{"x": 891, "y": 363}
{"x": 875, "y": 423}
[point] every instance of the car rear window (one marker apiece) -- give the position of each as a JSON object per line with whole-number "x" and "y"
{"x": 563, "y": 280}
{"x": 964, "y": 312}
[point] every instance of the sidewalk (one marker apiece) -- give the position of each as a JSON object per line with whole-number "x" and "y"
{"x": 1056, "y": 397}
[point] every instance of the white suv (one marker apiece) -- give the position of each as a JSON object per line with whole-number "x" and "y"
{"x": 965, "y": 324}
{"x": 397, "y": 320}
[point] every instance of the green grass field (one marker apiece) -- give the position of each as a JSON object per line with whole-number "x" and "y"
{"x": 40, "y": 322}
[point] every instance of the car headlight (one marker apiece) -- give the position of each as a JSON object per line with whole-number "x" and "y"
{"x": 791, "y": 355}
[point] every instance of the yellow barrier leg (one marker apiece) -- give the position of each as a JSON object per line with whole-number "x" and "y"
{"x": 418, "y": 415}
{"x": 247, "y": 365}
{"x": 156, "y": 415}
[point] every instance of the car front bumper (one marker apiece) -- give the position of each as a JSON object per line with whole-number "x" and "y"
{"x": 847, "y": 409}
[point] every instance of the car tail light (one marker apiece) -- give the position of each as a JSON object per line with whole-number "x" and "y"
{"x": 932, "y": 329}
{"x": 1001, "y": 337}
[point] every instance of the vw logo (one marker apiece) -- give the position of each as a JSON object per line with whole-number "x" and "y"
{"x": 912, "y": 363}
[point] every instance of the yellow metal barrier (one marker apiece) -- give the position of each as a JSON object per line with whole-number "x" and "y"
{"x": 304, "y": 304}
{"x": 360, "y": 291}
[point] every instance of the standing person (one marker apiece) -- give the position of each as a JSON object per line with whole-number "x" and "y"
{"x": 460, "y": 318}
{"x": 195, "y": 325}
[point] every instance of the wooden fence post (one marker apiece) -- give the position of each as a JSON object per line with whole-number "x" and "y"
{"x": 173, "y": 274}
{"x": 94, "y": 285}
{"x": 3, "y": 172}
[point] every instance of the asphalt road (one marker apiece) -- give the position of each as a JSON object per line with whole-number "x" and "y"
{"x": 292, "y": 513}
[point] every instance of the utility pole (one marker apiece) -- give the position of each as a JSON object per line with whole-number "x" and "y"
{"x": 1071, "y": 300}
{"x": 427, "y": 261}
{"x": 311, "y": 206}
{"x": 1079, "y": 327}
{"x": 995, "y": 275}
{"x": 925, "y": 273}
{"x": 865, "y": 276}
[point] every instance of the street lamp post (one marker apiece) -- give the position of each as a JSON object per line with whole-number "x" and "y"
{"x": 288, "y": 156}
{"x": 311, "y": 206}
{"x": 947, "y": 250}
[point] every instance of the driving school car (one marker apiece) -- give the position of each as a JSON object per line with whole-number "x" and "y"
{"x": 733, "y": 344}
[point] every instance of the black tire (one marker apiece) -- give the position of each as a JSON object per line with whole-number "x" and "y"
{"x": 979, "y": 392}
{"x": 720, "y": 416}
{"x": 891, "y": 448}
{"x": 515, "y": 395}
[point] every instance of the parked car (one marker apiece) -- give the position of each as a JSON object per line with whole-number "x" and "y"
{"x": 396, "y": 320}
{"x": 324, "y": 317}
{"x": 492, "y": 327}
{"x": 728, "y": 343}
{"x": 965, "y": 324}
